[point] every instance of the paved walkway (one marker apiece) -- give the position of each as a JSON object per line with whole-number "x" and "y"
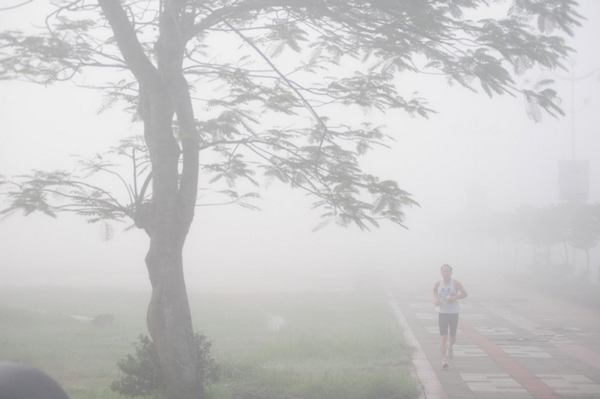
{"x": 516, "y": 345}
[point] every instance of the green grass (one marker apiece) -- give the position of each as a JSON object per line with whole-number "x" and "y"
{"x": 330, "y": 345}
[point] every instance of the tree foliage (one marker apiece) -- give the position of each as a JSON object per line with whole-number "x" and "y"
{"x": 86, "y": 195}
{"x": 259, "y": 112}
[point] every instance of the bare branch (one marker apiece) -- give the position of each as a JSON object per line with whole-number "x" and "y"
{"x": 15, "y": 6}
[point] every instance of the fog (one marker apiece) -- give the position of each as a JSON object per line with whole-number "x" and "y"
{"x": 476, "y": 152}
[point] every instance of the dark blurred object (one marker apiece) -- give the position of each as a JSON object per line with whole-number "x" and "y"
{"x": 18, "y": 381}
{"x": 103, "y": 320}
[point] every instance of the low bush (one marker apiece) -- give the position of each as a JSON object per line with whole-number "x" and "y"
{"x": 143, "y": 375}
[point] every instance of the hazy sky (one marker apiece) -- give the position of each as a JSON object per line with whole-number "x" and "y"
{"x": 473, "y": 145}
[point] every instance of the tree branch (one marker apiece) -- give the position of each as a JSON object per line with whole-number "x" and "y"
{"x": 128, "y": 43}
{"x": 15, "y": 6}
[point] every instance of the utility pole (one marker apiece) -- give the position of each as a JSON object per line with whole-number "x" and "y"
{"x": 572, "y": 79}
{"x": 573, "y": 175}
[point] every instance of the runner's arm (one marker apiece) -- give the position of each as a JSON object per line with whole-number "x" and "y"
{"x": 436, "y": 299}
{"x": 461, "y": 289}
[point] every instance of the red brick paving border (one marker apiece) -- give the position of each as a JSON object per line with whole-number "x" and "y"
{"x": 533, "y": 384}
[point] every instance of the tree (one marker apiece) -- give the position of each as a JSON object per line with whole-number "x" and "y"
{"x": 584, "y": 229}
{"x": 169, "y": 70}
{"x": 574, "y": 224}
{"x": 541, "y": 227}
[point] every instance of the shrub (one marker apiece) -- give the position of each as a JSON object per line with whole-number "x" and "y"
{"x": 143, "y": 375}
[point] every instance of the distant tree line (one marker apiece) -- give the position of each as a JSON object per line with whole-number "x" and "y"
{"x": 551, "y": 231}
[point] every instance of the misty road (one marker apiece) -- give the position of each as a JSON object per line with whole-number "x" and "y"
{"x": 510, "y": 343}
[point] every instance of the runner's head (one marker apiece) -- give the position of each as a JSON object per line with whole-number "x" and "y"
{"x": 446, "y": 271}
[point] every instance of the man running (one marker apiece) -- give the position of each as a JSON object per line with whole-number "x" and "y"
{"x": 446, "y": 293}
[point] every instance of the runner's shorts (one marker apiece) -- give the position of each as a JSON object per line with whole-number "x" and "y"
{"x": 448, "y": 321}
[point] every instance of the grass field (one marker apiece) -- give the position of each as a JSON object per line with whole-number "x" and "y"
{"x": 309, "y": 345}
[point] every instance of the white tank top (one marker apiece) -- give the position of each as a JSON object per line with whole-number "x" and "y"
{"x": 444, "y": 291}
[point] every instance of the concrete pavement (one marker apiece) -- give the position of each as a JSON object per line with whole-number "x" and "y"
{"x": 511, "y": 343}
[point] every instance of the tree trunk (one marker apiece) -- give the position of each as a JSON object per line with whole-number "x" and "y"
{"x": 164, "y": 94}
{"x": 170, "y": 323}
{"x": 169, "y": 319}
{"x": 516, "y": 259}
{"x": 587, "y": 260}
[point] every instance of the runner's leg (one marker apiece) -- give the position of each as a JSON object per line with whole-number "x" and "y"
{"x": 443, "y": 342}
{"x": 444, "y": 324}
{"x": 453, "y": 327}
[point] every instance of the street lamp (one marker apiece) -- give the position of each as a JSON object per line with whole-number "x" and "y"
{"x": 573, "y": 175}
{"x": 572, "y": 79}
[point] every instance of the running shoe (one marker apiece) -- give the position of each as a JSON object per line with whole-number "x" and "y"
{"x": 445, "y": 363}
{"x": 449, "y": 351}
